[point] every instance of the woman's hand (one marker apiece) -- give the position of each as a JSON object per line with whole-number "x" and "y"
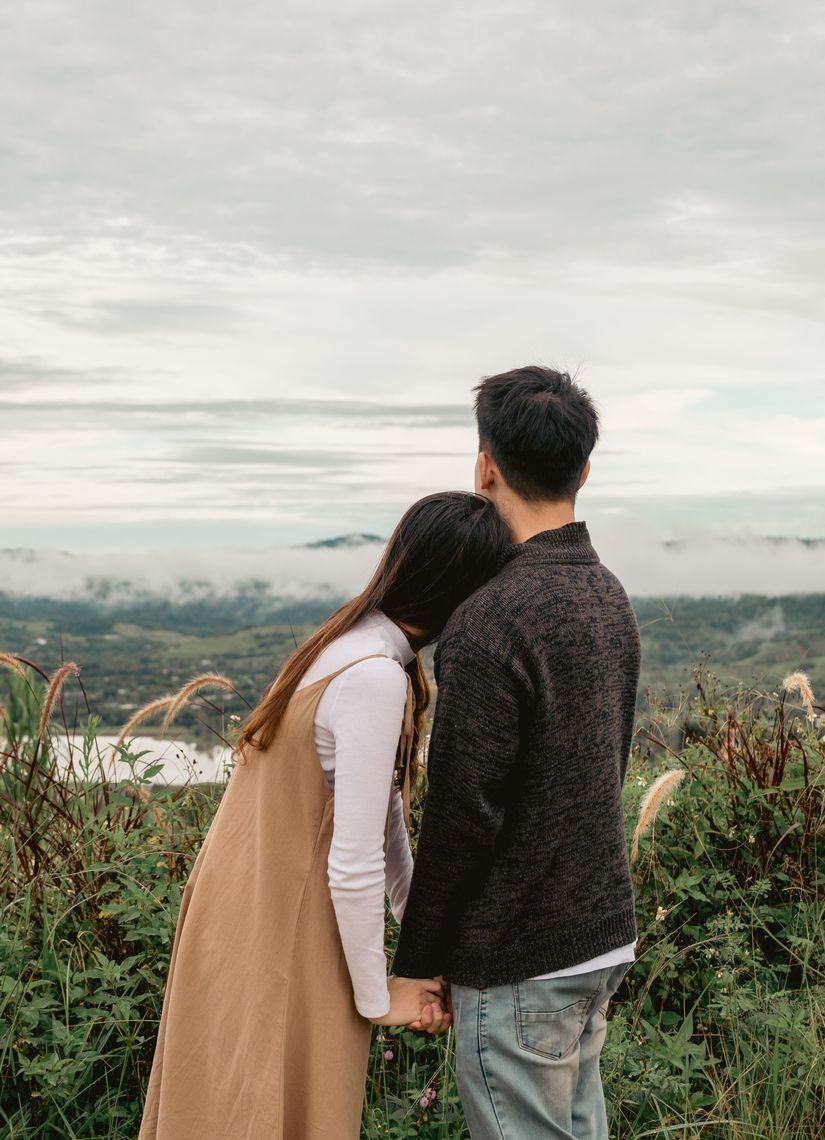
{"x": 408, "y": 999}
{"x": 437, "y": 1017}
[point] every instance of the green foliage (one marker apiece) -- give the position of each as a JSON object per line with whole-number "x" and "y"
{"x": 720, "y": 1022}
{"x": 91, "y": 879}
{"x": 718, "y": 1030}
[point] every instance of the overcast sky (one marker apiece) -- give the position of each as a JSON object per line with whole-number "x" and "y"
{"x": 253, "y": 257}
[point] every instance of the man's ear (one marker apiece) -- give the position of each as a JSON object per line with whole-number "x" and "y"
{"x": 584, "y": 474}
{"x": 486, "y": 472}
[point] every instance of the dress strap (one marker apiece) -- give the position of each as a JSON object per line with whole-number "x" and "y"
{"x": 403, "y": 760}
{"x": 405, "y": 750}
{"x": 331, "y": 676}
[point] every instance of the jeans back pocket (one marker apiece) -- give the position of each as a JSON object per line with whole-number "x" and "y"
{"x": 551, "y": 1012}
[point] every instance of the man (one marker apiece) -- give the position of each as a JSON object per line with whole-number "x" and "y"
{"x": 521, "y": 894}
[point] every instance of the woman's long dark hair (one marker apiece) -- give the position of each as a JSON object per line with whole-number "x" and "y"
{"x": 445, "y": 546}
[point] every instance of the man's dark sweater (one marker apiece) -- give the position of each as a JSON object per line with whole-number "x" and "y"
{"x": 522, "y": 865}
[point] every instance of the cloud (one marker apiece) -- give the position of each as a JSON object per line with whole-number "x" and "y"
{"x": 184, "y": 575}
{"x": 307, "y": 231}
{"x": 33, "y": 373}
{"x": 216, "y": 411}
{"x": 134, "y": 314}
{"x": 704, "y": 565}
{"x": 427, "y": 137}
{"x": 712, "y": 565}
{"x": 762, "y": 628}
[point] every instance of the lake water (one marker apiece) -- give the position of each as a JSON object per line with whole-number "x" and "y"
{"x": 182, "y": 762}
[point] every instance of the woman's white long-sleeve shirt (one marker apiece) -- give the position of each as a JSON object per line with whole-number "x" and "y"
{"x": 357, "y": 727}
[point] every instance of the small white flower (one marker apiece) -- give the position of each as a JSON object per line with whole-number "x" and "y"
{"x": 660, "y": 914}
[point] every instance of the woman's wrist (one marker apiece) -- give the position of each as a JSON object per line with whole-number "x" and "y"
{"x": 372, "y": 1013}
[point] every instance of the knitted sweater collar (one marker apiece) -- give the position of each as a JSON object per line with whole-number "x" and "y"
{"x": 568, "y": 543}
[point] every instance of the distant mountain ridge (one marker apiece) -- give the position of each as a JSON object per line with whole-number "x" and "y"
{"x": 779, "y": 540}
{"x": 343, "y": 540}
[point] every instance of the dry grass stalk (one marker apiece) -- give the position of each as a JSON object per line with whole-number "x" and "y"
{"x": 802, "y": 683}
{"x": 142, "y": 714}
{"x": 652, "y": 800}
{"x": 157, "y": 811}
{"x": 12, "y": 663}
{"x": 180, "y": 698}
{"x": 53, "y": 691}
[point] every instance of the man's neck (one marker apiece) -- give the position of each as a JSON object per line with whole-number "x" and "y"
{"x": 528, "y": 519}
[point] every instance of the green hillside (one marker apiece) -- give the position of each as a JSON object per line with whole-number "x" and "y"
{"x": 132, "y": 654}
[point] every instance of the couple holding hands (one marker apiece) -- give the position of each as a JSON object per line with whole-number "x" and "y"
{"x": 517, "y": 916}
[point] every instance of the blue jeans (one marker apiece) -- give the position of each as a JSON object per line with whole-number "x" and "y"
{"x": 527, "y": 1056}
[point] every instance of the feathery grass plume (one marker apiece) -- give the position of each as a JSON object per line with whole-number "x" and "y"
{"x": 12, "y": 663}
{"x": 142, "y": 714}
{"x": 801, "y": 681}
{"x": 55, "y": 687}
{"x": 652, "y": 800}
{"x": 180, "y": 698}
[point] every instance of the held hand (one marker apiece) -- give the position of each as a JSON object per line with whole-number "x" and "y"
{"x": 436, "y": 1017}
{"x": 408, "y": 997}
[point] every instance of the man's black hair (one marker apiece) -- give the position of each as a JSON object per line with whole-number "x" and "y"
{"x": 539, "y": 427}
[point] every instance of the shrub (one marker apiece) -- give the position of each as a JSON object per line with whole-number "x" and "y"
{"x": 719, "y": 1024}
{"x": 717, "y": 1030}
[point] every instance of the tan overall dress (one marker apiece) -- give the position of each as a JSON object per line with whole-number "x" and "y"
{"x": 259, "y": 1037}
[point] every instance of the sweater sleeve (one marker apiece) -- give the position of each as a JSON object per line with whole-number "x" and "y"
{"x": 366, "y": 723}
{"x": 473, "y": 749}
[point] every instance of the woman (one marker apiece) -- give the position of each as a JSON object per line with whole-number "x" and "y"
{"x": 278, "y": 969}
